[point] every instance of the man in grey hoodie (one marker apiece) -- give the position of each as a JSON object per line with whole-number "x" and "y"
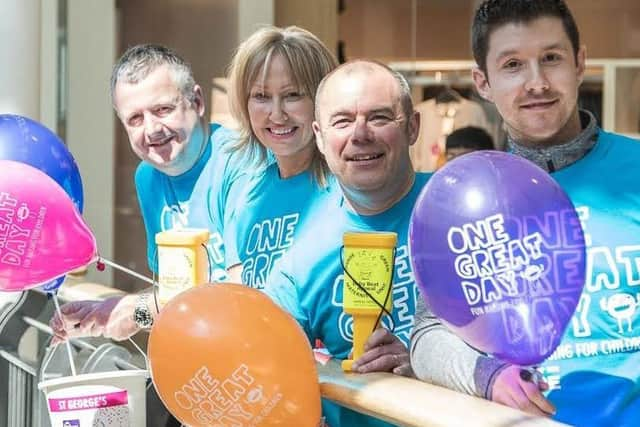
{"x": 530, "y": 64}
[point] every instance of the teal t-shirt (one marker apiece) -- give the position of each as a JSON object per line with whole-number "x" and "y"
{"x": 199, "y": 198}
{"x": 594, "y": 373}
{"x": 308, "y": 282}
{"x": 266, "y": 218}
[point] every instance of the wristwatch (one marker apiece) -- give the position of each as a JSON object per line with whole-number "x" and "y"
{"x": 142, "y": 313}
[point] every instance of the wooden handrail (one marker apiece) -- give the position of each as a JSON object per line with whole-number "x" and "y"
{"x": 412, "y": 403}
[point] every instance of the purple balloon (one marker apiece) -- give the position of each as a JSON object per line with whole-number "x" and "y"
{"x": 27, "y": 141}
{"x": 498, "y": 252}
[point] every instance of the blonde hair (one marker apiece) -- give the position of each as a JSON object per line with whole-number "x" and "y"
{"x": 309, "y": 61}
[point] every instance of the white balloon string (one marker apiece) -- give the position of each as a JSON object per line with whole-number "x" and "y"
{"x": 144, "y": 355}
{"x": 126, "y": 270}
{"x": 67, "y": 343}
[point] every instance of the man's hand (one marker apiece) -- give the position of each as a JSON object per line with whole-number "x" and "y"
{"x": 384, "y": 352}
{"x": 111, "y": 318}
{"x": 520, "y": 391}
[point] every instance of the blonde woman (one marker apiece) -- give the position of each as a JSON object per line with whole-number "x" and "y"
{"x": 273, "y": 78}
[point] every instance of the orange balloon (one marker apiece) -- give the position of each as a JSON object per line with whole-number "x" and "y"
{"x": 226, "y": 355}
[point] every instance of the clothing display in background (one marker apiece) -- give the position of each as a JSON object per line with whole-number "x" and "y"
{"x": 496, "y": 128}
{"x": 590, "y": 99}
{"x": 439, "y": 117}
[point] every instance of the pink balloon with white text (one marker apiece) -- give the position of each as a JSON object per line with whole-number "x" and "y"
{"x": 42, "y": 235}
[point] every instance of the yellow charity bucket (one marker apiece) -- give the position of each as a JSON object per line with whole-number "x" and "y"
{"x": 183, "y": 261}
{"x": 368, "y": 260}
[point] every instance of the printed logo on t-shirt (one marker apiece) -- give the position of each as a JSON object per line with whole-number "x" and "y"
{"x": 268, "y": 240}
{"x": 174, "y": 216}
{"x": 622, "y": 307}
{"x": 607, "y": 313}
{"x": 616, "y": 271}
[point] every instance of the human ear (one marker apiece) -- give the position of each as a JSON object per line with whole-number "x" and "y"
{"x": 319, "y": 141}
{"x": 481, "y": 82}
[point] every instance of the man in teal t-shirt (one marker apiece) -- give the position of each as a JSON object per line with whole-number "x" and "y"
{"x": 197, "y": 198}
{"x": 364, "y": 126}
{"x": 186, "y": 177}
{"x": 530, "y": 64}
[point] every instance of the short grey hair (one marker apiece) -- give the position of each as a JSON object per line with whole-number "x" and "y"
{"x": 140, "y": 60}
{"x": 368, "y": 65}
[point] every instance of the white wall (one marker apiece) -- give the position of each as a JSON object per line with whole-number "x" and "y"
{"x": 20, "y": 58}
{"x": 48, "y": 63}
{"x": 252, "y": 14}
{"x": 90, "y": 120}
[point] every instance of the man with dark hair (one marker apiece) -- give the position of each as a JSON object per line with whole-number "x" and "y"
{"x": 495, "y": 13}
{"x": 466, "y": 140}
{"x": 530, "y": 65}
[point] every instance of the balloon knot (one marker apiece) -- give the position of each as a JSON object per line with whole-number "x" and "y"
{"x": 100, "y": 265}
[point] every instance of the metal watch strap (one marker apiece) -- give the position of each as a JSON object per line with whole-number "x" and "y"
{"x": 142, "y": 313}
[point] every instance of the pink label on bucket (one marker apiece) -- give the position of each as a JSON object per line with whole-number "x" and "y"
{"x": 88, "y": 402}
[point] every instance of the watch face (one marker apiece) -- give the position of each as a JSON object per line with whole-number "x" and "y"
{"x": 142, "y": 315}
{"x": 143, "y": 319}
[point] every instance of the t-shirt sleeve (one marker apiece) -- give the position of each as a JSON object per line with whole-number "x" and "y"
{"x": 235, "y": 203}
{"x": 440, "y": 357}
{"x": 229, "y": 182}
{"x": 282, "y": 288}
{"x": 142, "y": 182}
{"x": 231, "y": 165}
{"x": 230, "y": 237}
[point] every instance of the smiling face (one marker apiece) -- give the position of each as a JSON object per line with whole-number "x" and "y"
{"x": 533, "y": 78}
{"x": 364, "y": 133}
{"x": 281, "y": 114}
{"x": 163, "y": 126}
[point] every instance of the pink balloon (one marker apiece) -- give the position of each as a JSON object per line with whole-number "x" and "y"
{"x": 42, "y": 235}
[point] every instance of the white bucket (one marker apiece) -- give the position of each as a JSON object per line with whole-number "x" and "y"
{"x": 109, "y": 399}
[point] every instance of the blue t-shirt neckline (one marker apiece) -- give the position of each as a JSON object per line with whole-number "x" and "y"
{"x": 197, "y": 168}
{"x": 380, "y": 220}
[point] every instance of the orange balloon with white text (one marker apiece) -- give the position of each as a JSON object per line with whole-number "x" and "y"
{"x": 226, "y": 355}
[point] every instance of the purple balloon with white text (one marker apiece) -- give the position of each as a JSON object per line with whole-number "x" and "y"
{"x": 498, "y": 252}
